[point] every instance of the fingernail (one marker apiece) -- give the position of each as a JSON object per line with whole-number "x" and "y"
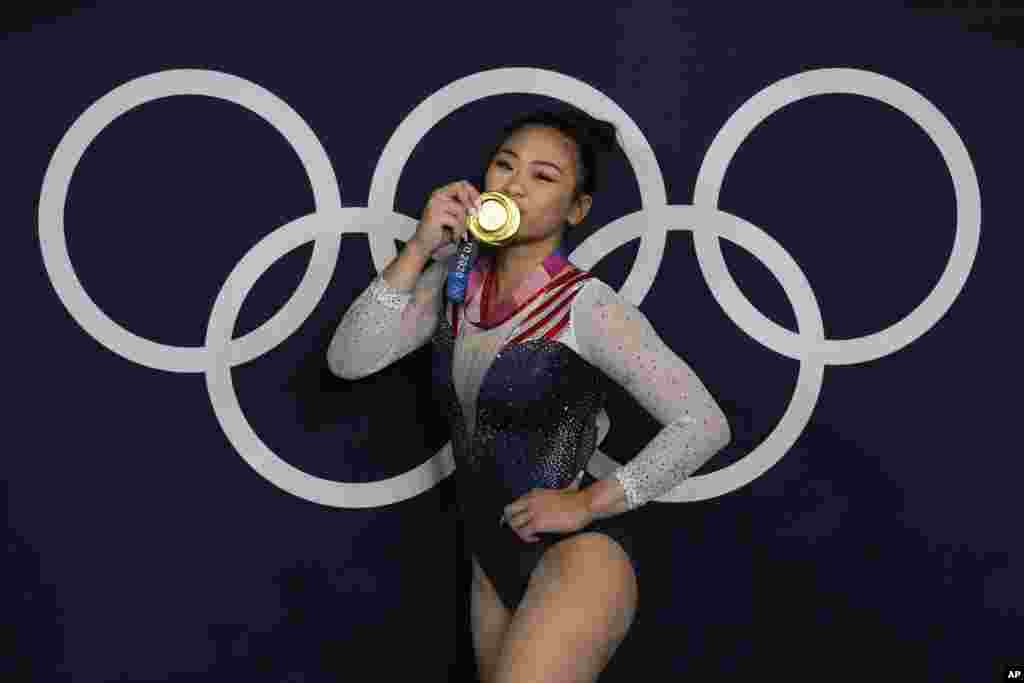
{"x": 472, "y": 211}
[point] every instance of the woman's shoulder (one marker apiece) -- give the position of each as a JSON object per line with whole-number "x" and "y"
{"x": 599, "y": 309}
{"x": 593, "y": 291}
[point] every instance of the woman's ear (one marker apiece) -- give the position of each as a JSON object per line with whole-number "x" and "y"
{"x": 580, "y": 208}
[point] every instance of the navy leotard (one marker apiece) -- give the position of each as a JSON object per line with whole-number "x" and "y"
{"x": 536, "y": 427}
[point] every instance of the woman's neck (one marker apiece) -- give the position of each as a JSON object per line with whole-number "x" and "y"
{"x": 514, "y": 262}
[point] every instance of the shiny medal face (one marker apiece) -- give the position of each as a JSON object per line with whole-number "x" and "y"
{"x": 497, "y": 221}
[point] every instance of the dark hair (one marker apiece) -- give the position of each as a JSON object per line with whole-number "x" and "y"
{"x": 595, "y": 140}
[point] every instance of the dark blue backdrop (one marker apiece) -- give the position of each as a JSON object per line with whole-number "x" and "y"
{"x": 141, "y": 546}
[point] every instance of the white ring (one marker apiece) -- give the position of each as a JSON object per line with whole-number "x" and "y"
{"x": 53, "y": 241}
{"x": 968, "y": 215}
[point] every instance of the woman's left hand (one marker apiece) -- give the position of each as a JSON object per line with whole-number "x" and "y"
{"x": 549, "y": 510}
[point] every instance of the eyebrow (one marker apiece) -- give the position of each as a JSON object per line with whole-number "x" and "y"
{"x": 546, "y": 163}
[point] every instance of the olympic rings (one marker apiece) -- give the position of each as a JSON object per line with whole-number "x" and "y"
{"x": 330, "y": 220}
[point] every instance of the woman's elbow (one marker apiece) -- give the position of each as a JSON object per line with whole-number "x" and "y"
{"x": 723, "y": 429}
{"x": 337, "y": 367}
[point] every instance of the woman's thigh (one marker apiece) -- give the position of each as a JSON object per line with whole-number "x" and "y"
{"x": 489, "y": 620}
{"x": 579, "y": 605}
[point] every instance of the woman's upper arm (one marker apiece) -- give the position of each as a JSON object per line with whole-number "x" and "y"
{"x": 616, "y": 337}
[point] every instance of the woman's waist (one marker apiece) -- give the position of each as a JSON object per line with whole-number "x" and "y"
{"x": 512, "y": 464}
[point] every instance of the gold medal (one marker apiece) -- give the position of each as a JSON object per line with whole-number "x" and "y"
{"x": 497, "y": 220}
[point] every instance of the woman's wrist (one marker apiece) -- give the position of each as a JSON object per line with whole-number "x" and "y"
{"x": 605, "y": 498}
{"x": 403, "y": 273}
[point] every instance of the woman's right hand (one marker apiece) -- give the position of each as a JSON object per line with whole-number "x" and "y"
{"x": 444, "y": 217}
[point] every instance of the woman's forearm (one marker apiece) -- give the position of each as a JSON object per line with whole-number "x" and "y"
{"x": 366, "y": 339}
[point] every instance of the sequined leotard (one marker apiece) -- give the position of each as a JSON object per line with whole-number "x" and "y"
{"x": 522, "y": 392}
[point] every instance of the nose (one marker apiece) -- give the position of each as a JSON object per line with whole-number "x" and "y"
{"x": 513, "y": 188}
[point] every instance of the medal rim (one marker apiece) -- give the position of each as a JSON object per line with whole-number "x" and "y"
{"x": 503, "y": 233}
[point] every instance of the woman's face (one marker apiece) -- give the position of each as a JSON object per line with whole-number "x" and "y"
{"x": 536, "y": 167}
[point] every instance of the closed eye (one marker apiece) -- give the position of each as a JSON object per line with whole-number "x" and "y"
{"x": 504, "y": 164}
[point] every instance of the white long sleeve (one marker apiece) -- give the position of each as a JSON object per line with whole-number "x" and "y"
{"x": 616, "y": 337}
{"x": 385, "y": 324}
